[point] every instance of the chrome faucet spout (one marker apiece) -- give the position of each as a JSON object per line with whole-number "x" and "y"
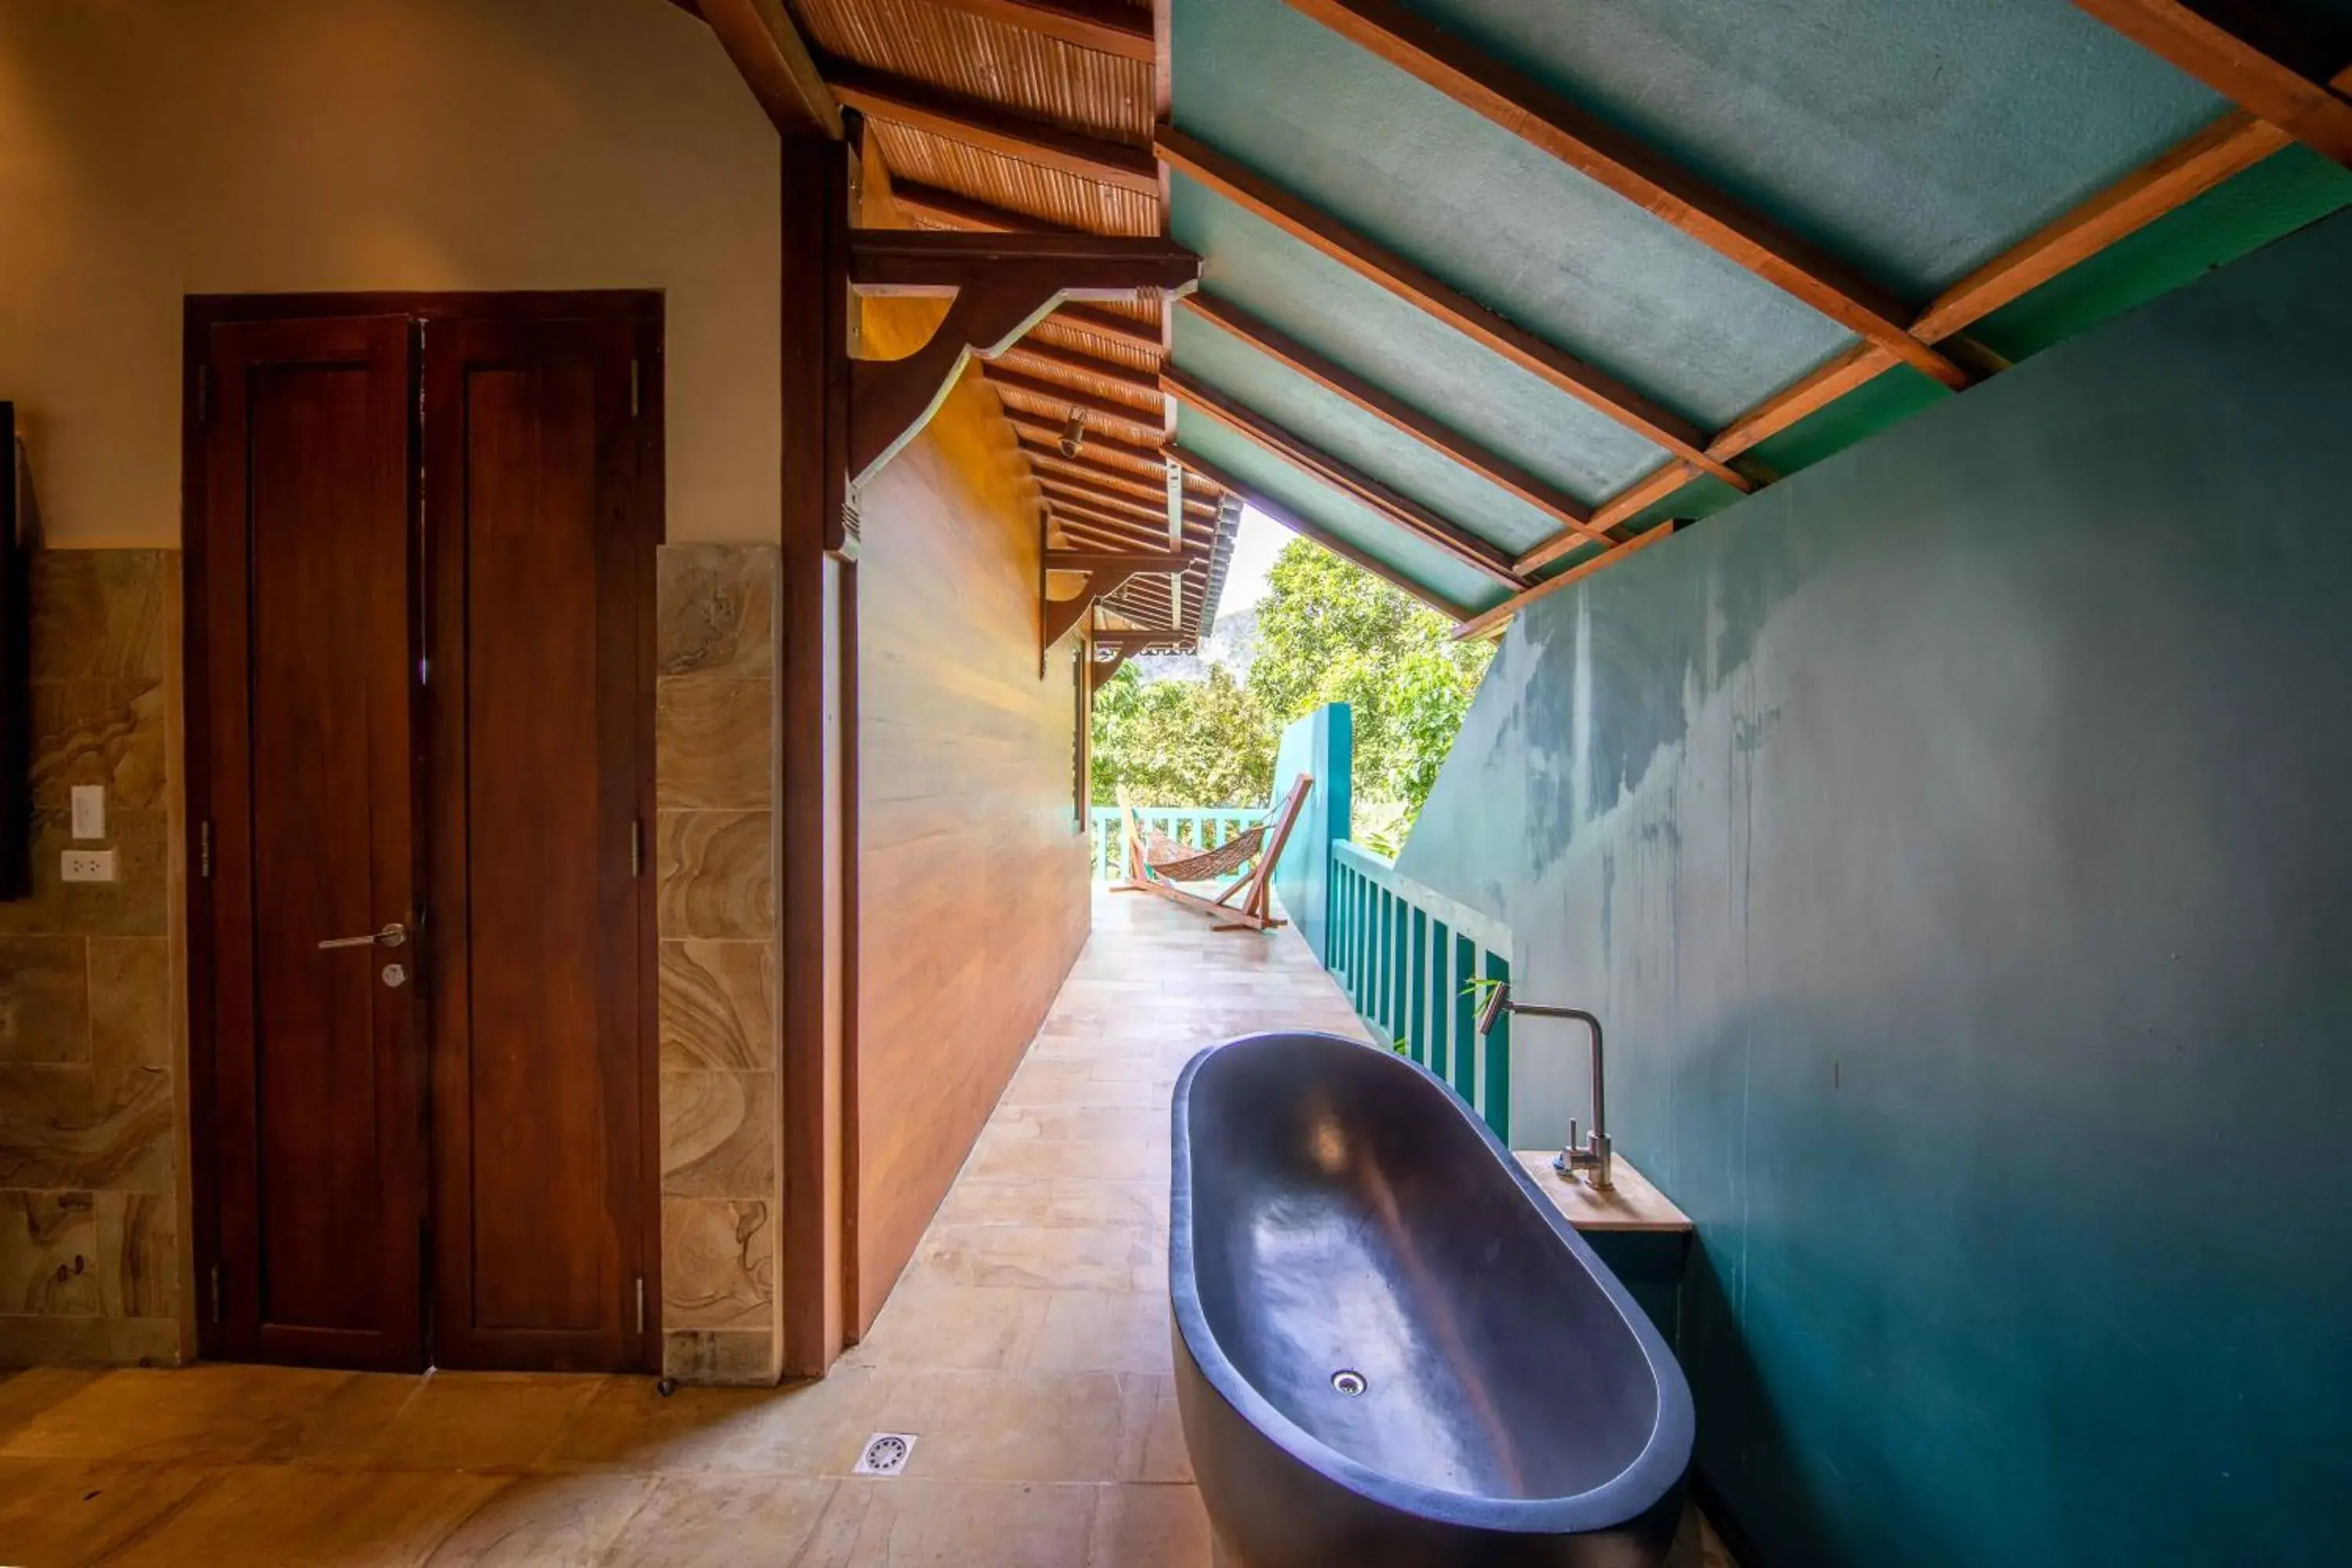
{"x": 1589, "y": 1155}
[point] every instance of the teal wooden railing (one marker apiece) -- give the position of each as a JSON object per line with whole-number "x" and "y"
{"x": 1407, "y": 955}
{"x": 1200, "y": 826}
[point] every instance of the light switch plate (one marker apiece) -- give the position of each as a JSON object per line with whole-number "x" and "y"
{"x": 86, "y": 866}
{"x": 90, "y": 811}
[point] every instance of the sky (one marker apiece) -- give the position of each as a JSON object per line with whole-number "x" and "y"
{"x": 1259, "y": 540}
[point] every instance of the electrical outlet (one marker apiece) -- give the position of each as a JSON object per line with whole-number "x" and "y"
{"x": 86, "y": 866}
{"x": 88, "y": 811}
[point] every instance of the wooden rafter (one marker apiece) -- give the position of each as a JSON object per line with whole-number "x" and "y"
{"x": 1345, "y": 549}
{"x": 953, "y": 209}
{"x": 1495, "y": 468}
{"x": 1103, "y": 480}
{"x": 2253, "y": 59}
{"x": 1376, "y": 264}
{"x": 991, "y": 127}
{"x": 1116, "y": 561}
{"x": 767, "y": 49}
{"x": 2197, "y": 165}
{"x": 1104, "y": 26}
{"x": 1051, "y": 358}
{"x": 1478, "y": 553}
{"x": 1107, "y": 513}
{"x": 1097, "y": 407}
{"x": 1110, "y": 324}
{"x": 1491, "y": 620}
{"x": 1062, "y": 492}
{"x": 1610, "y": 158}
{"x": 1096, "y": 443}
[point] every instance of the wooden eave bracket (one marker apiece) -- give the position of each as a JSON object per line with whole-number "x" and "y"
{"x": 1002, "y": 285}
{"x": 1107, "y": 572}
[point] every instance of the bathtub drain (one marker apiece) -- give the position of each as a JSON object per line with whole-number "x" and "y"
{"x": 1351, "y": 1383}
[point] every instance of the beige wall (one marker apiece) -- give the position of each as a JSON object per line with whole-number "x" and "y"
{"x": 152, "y": 149}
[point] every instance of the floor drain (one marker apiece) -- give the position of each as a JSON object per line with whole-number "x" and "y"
{"x": 1351, "y": 1383}
{"x": 885, "y": 1454}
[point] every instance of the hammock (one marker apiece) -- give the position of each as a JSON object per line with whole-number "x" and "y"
{"x": 1156, "y": 863}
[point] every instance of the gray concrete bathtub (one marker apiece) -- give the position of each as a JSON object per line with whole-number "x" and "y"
{"x": 1389, "y": 1349}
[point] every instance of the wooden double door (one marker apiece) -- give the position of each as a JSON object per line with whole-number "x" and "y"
{"x": 420, "y": 563}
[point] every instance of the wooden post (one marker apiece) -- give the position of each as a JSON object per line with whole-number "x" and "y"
{"x": 817, "y": 838}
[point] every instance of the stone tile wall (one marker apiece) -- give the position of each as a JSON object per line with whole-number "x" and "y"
{"x": 90, "y": 1053}
{"x": 716, "y": 770}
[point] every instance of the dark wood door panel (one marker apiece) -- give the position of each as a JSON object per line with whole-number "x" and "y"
{"x": 305, "y": 545}
{"x": 542, "y": 746}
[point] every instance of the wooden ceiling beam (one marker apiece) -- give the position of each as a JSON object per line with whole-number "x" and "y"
{"x": 1080, "y": 535}
{"x": 2253, "y": 59}
{"x": 1119, "y": 482}
{"x": 1477, "y": 553}
{"x": 1050, "y": 431}
{"x": 1308, "y": 225}
{"x": 1110, "y": 324}
{"x": 1052, "y": 357}
{"x": 1493, "y": 468}
{"x": 1347, "y": 550}
{"x": 1493, "y": 620}
{"x": 775, "y": 64}
{"x": 958, "y": 211}
{"x": 940, "y": 261}
{"x": 1061, "y": 492}
{"x": 1106, "y": 27}
{"x": 976, "y": 122}
{"x": 1115, "y": 561}
{"x": 1107, "y": 513}
{"x": 1053, "y": 391}
{"x": 1618, "y": 162}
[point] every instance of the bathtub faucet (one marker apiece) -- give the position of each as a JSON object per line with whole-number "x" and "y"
{"x": 1582, "y": 1153}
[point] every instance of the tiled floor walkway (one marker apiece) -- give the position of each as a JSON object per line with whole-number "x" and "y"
{"x": 1026, "y": 1348}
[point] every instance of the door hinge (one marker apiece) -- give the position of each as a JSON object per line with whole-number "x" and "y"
{"x": 637, "y": 846}
{"x": 204, "y": 850}
{"x": 641, "y": 1303}
{"x": 216, "y": 1293}
{"x": 636, "y": 375}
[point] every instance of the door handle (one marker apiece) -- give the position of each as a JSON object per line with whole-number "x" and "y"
{"x": 391, "y": 935}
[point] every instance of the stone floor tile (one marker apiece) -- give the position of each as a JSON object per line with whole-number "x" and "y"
{"x": 289, "y": 1514}
{"x": 721, "y": 1522}
{"x": 210, "y": 1414}
{"x": 1150, "y": 1527}
{"x": 913, "y": 1523}
{"x": 933, "y": 1320}
{"x": 54, "y": 1512}
{"x": 545, "y": 1522}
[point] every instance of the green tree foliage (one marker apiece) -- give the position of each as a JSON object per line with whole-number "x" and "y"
{"x": 1327, "y": 631}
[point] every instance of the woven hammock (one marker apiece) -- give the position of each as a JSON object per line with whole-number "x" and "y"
{"x": 1182, "y": 863}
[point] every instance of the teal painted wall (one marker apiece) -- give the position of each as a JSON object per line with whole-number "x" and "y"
{"x": 1322, "y": 745}
{"x": 1956, "y": 839}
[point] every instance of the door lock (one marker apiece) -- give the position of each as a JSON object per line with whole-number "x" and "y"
{"x": 391, "y": 935}
{"x": 394, "y": 975}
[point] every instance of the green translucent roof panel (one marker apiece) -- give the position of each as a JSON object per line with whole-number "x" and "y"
{"x": 1912, "y": 139}
{"x": 1490, "y": 214}
{"x": 1341, "y": 514}
{"x": 1337, "y": 427}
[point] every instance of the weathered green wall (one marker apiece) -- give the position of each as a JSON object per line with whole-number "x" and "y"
{"x": 1956, "y": 839}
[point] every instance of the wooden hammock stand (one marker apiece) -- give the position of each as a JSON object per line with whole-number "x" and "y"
{"x": 1157, "y": 863}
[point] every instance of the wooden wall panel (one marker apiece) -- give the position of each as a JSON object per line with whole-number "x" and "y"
{"x": 973, "y": 872}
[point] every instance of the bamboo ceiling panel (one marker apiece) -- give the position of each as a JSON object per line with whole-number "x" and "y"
{"x": 1059, "y": 334}
{"x": 1022, "y": 70}
{"x": 1136, "y": 427}
{"x": 1039, "y": 191}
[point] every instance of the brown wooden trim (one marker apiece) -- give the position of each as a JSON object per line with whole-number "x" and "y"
{"x": 1062, "y": 492}
{"x": 991, "y": 127}
{"x": 1646, "y": 491}
{"x": 1594, "y": 388}
{"x": 810, "y": 1012}
{"x": 1099, "y": 479}
{"x": 767, "y": 49}
{"x": 1116, "y": 561}
{"x": 1345, "y": 549}
{"x": 1493, "y": 467}
{"x": 1500, "y": 615}
{"x": 1104, "y": 26}
{"x": 1481, "y": 554}
{"x": 2254, "y": 61}
{"x": 1618, "y": 162}
{"x": 890, "y": 401}
{"x": 930, "y": 260}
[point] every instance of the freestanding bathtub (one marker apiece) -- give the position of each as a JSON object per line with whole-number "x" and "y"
{"x": 1388, "y": 1348}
